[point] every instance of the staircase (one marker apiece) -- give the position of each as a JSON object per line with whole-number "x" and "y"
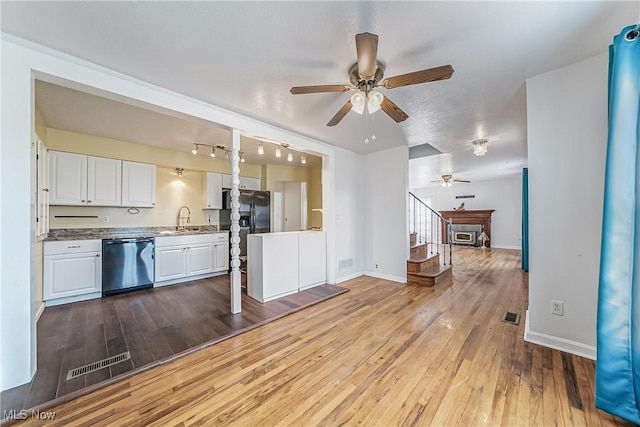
{"x": 427, "y": 264}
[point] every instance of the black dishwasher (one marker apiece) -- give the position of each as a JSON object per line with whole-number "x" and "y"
{"x": 127, "y": 264}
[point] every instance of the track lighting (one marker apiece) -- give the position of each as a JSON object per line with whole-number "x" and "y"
{"x": 226, "y": 155}
{"x": 303, "y": 160}
{"x": 195, "y": 150}
{"x": 290, "y": 156}
{"x": 213, "y": 152}
{"x": 241, "y": 157}
{"x": 179, "y": 171}
{"x": 260, "y": 149}
{"x": 278, "y": 152}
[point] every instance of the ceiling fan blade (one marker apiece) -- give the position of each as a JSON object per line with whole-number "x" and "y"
{"x": 393, "y": 110}
{"x": 460, "y": 180}
{"x": 340, "y": 114}
{"x": 417, "y": 77}
{"x": 367, "y": 49}
{"x": 299, "y": 90}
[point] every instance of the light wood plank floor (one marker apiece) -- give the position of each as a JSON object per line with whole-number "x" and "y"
{"x": 383, "y": 354}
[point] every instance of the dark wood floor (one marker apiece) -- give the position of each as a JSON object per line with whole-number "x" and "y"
{"x": 153, "y": 325}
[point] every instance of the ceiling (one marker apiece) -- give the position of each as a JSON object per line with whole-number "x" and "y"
{"x": 77, "y": 111}
{"x": 245, "y": 56}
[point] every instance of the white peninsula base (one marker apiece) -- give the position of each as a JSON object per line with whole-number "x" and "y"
{"x": 280, "y": 264}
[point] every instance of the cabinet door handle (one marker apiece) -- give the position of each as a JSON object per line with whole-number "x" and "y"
{"x": 82, "y": 201}
{"x": 88, "y": 201}
{"x": 98, "y": 255}
{"x": 45, "y": 189}
{"x": 73, "y": 246}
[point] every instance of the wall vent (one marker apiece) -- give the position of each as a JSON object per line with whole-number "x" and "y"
{"x": 346, "y": 263}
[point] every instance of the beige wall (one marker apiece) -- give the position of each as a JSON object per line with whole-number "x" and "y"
{"x": 41, "y": 126}
{"x": 313, "y": 178}
{"x": 315, "y": 196}
{"x": 104, "y": 147}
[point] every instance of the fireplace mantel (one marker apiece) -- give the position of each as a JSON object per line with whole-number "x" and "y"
{"x": 481, "y": 217}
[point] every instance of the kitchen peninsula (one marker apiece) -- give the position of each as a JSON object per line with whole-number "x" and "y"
{"x": 280, "y": 264}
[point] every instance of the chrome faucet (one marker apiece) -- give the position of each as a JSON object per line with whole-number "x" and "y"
{"x": 180, "y": 217}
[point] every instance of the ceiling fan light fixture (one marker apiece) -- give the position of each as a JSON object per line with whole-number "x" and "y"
{"x": 374, "y": 101}
{"x": 357, "y": 102}
{"x": 480, "y": 147}
{"x": 260, "y": 149}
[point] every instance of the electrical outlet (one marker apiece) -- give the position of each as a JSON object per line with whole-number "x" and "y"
{"x": 105, "y": 218}
{"x": 557, "y": 308}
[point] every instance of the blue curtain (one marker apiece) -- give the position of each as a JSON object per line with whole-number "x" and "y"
{"x": 525, "y": 219}
{"x": 618, "y": 361}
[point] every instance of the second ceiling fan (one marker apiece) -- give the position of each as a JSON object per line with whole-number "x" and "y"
{"x": 366, "y": 75}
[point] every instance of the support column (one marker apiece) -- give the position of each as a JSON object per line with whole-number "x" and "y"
{"x": 236, "y": 304}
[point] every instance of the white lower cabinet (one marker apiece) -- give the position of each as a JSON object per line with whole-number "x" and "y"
{"x": 169, "y": 262}
{"x": 221, "y": 256}
{"x": 179, "y": 258}
{"x": 199, "y": 259}
{"x": 72, "y": 269}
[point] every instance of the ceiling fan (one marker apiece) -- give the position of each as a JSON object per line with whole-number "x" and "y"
{"x": 366, "y": 75}
{"x": 447, "y": 180}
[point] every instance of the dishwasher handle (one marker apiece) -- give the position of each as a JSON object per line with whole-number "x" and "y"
{"x": 128, "y": 240}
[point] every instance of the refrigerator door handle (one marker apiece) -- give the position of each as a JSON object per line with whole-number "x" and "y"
{"x": 253, "y": 219}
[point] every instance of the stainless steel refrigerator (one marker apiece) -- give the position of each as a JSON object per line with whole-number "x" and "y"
{"x": 255, "y": 214}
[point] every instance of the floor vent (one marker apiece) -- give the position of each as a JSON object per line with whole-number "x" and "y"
{"x": 92, "y": 367}
{"x": 346, "y": 263}
{"x": 510, "y": 317}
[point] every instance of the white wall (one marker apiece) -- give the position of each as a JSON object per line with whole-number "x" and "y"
{"x": 21, "y": 62}
{"x": 504, "y": 195}
{"x": 385, "y": 212}
{"x": 567, "y": 136}
{"x": 349, "y": 213}
{"x": 17, "y": 293}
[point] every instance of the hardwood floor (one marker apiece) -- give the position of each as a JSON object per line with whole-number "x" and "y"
{"x": 153, "y": 325}
{"x": 383, "y": 354}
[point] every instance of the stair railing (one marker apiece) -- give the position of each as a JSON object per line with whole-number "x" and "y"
{"x": 428, "y": 225}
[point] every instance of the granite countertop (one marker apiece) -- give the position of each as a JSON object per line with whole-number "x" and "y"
{"x": 116, "y": 233}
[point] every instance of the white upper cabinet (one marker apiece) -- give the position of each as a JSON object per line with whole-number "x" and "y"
{"x": 67, "y": 178}
{"x": 246, "y": 183}
{"x": 250, "y": 183}
{"x": 212, "y": 190}
{"x": 42, "y": 191}
{"x": 226, "y": 181}
{"x": 104, "y": 181}
{"x": 138, "y": 184}
{"x": 76, "y": 179}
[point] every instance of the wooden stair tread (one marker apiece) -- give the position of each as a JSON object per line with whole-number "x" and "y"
{"x": 433, "y": 271}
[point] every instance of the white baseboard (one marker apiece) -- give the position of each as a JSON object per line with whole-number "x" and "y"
{"x": 557, "y": 343}
{"x": 67, "y": 300}
{"x": 517, "y": 248}
{"x": 39, "y": 310}
{"x": 386, "y": 277}
{"x": 349, "y": 277}
{"x": 188, "y": 279}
